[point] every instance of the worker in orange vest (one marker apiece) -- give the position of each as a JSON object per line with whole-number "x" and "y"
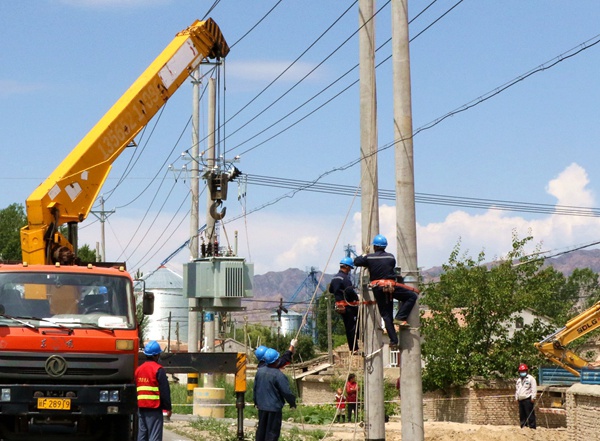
{"x": 153, "y": 394}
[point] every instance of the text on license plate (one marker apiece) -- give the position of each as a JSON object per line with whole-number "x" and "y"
{"x": 54, "y": 403}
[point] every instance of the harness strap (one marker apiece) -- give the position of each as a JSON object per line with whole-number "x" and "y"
{"x": 388, "y": 285}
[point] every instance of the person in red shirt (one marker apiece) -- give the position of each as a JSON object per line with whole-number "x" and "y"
{"x": 352, "y": 397}
{"x": 153, "y": 395}
{"x": 340, "y": 405}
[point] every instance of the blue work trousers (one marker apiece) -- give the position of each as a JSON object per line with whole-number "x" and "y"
{"x": 269, "y": 425}
{"x": 150, "y": 425}
{"x": 385, "y": 304}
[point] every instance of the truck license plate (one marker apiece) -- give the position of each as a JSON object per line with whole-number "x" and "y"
{"x": 54, "y": 403}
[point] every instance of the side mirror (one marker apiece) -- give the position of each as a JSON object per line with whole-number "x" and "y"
{"x": 148, "y": 303}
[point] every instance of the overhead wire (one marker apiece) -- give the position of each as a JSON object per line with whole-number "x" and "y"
{"x": 292, "y": 64}
{"x": 337, "y": 95}
{"x": 284, "y": 71}
{"x": 427, "y": 198}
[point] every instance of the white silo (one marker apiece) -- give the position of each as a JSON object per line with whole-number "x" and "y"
{"x": 167, "y": 287}
{"x": 289, "y": 324}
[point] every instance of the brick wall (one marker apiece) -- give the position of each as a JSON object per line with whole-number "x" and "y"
{"x": 583, "y": 411}
{"x": 485, "y": 403}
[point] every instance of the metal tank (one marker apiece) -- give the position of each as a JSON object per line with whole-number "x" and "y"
{"x": 167, "y": 287}
{"x": 289, "y": 325}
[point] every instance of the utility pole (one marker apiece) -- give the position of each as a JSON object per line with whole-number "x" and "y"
{"x": 209, "y": 317}
{"x": 192, "y": 377}
{"x": 328, "y": 299}
{"x": 374, "y": 401}
{"x": 195, "y": 183}
{"x": 411, "y": 389}
{"x": 102, "y": 215}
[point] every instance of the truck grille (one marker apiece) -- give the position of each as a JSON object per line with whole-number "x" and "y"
{"x": 100, "y": 368}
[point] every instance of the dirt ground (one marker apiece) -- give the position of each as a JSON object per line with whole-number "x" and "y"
{"x": 434, "y": 431}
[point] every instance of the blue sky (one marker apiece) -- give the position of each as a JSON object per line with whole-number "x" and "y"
{"x": 65, "y": 62}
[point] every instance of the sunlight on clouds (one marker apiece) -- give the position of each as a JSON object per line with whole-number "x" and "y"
{"x": 278, "y": 241}
{"x": 492, "y": 230}
{"x": 569, "y": 188}
{"x": 297, "y": 251}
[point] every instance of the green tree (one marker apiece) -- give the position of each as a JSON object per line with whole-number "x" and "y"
{"x": 86, "y": 254}
{"x": 337, "y": 325}
{"x": 471, "y": 309}
{"x": 12, "y": 219}
{"x": 262, "y": 335}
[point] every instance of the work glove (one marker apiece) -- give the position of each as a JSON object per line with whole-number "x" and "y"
{"x": 294, "y": 342}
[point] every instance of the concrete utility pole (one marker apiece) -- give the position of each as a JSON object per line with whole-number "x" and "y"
{"x": 209, "y": 317}
{"x": 374, "y": 401}
{"x": 410, "y": 376}
{"x": 195, "y": 183}
{"x": 329, "y": 331}
{"x": 102, "y": 215}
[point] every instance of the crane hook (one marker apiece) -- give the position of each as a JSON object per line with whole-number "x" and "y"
{"x": 213, "y": 210}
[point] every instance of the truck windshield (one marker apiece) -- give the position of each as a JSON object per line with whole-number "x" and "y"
{"x": 74, "y": 300}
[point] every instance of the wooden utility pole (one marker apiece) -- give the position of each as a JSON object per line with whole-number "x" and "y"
{"x": 406, "y": 234}
{"x": 374, "y": 416}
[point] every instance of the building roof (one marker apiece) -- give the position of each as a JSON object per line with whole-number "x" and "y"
{"x": 163, "y": 278}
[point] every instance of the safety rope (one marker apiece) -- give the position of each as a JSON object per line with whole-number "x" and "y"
{"x": 314, "y": 294}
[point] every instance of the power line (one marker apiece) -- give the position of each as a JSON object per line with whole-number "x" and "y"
{"x": 427, "y": 198}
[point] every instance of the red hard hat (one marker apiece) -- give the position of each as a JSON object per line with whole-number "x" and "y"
{"x": 523, "y": 367}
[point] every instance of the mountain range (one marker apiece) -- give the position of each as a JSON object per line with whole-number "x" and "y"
{"x": 296, "y": 286}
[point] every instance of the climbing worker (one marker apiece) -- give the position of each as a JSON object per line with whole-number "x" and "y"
{"x": 153, "y": 395}
{"x": 271, "y": 390}
{"x": 381, "y": 266}
{"x": 346, "y": 301}
{"x": 525, "y": 394}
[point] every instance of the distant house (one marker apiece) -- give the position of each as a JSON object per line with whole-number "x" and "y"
{"x": 231, "y": 345}
{"x": 516, "y": 322}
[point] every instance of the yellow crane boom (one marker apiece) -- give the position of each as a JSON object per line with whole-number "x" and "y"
{"x": 554, "y": 347}
{"x": 68, "y": 194}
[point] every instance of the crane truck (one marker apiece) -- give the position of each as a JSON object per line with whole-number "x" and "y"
{"x": 69, "y": 337}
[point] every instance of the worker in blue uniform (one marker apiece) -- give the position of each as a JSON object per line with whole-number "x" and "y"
{"x": 346, "y": 301}
{"x": 381, "y": 266}
{"x": 271, "y": 391}
{"x": 282, "y": 361}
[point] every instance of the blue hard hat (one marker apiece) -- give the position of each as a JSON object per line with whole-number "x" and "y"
{"x": 260, "y": 352}
{"x": 152, "y": 348}
{"x": 380, "y": 241}
{"x": 347, "y": 261}
{"x": 271, "y": 355}
{"x": 102, "y": 290}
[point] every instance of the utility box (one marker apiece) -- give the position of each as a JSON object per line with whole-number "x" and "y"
{"x": 219, "y": 283}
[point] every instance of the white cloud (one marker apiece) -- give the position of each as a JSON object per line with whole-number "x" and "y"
{"x": 569, "y": 188}
{"x": 12, "y": 87}
{"x": 278, "y": 241}
{"x": 491, "y": 231}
